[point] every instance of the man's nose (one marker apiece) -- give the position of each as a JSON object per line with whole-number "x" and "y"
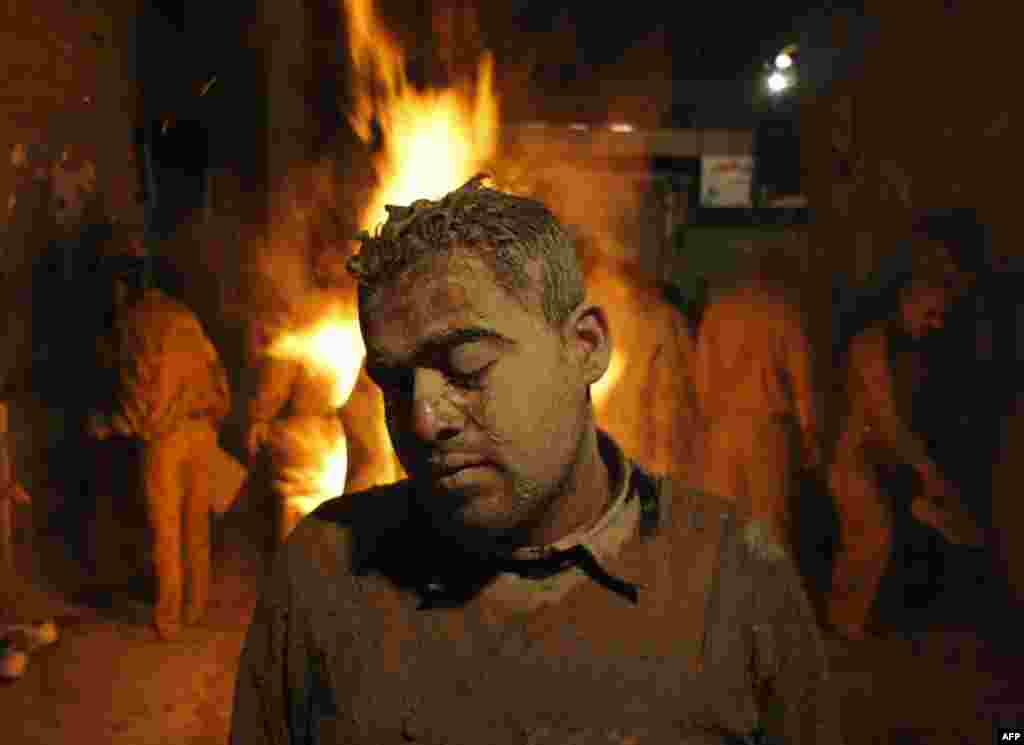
{"x": 433, "y": 416}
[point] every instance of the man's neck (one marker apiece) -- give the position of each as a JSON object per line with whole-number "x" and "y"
{"x": 583, "y": 504}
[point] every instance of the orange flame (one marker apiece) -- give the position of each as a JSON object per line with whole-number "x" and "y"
{"x": 433, "y": 141}
{"x": 602, "y": 389}
{"x": 332, "y": 346}
{"x": 318, "y": 466}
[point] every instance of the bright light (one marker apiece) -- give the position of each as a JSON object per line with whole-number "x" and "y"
{"x": 777, "y": 82}
{"x": 783, "y": 61}
{"x": 579, "y": 127}
{"x": 621, "y": 127}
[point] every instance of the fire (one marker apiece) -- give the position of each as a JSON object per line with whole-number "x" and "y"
{"x": 319, "y": 463}
{"x": 331, "y": 346}
{"x": 608, "y": 286}
{"x": 432, "y": 141}
{"x": 601, "y": 390}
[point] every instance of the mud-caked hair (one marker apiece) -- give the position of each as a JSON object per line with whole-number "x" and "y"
{"x": 507, "y": 232}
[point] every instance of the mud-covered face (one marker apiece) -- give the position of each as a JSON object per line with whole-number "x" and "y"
{"x": 486, "y": 402}
{"x": 923, "y": 311}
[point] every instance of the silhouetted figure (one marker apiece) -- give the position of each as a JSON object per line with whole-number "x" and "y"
{"x": 883, "y": 371}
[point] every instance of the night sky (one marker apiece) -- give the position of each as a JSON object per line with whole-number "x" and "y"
{"x": 719, "y": 42}
{"x": 715, "y": 57}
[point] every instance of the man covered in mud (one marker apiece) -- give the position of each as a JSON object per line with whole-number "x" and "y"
{"x": 884, "y": 368}
{"x": 756, "y": 396}
{"x": 171, "y": 394}
{"x": 293, "y": 412}
{"x": 290, "y": 413}
{"x": 528, "y": 582}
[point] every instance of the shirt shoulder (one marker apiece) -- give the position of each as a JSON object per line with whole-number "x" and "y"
{"x": 698, "y": 512}
{"x": 692, "y": 516}
{"x": 352, "y": 535}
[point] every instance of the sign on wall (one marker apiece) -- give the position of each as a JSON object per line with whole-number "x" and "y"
{"x": 726, "y": 180}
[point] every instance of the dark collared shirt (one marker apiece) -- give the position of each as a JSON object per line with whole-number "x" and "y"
{"x": 721, "y": 643}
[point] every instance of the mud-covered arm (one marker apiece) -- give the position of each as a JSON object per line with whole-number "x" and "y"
{"x": 872, "y": 379}
{"x": 798, "y": 701}
{"x": 798, "y": 362}
{"x": 703, "y": 355}
{"x": 271, "y": 694}
{"x": 675, "y": 421}
{"x": 220, "y": 389}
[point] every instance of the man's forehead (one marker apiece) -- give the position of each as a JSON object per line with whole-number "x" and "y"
{"x": 409, "y": 316}
{"x": 426, "y": 300}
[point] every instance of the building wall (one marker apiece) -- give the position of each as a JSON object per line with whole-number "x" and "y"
{"x": 925, "y": 123}
{"x": 67, "y": 112}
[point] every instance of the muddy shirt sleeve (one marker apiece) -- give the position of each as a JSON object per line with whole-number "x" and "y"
{"x": 671, "y": 385}
{"x": 789, "y": 666}
{"x": 271, "y": 689}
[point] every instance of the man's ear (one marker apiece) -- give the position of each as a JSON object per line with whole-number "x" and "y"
{"x": 589, "y": 341}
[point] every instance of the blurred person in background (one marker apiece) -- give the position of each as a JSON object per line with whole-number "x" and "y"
{"x": 171, "y": 395}
{"x": 884, "y": 368}
{"x": 756, "y": 395}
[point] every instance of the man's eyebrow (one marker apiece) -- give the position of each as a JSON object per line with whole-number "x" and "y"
{"x": 448, "y": 339}
{"x": 464, "y": 335}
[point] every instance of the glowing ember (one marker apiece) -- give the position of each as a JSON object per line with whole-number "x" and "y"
{"x": 432, "y": 141}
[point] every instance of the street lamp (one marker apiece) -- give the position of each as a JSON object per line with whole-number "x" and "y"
{"x": 777, "y": 82}
{"x": 782, "y": 72}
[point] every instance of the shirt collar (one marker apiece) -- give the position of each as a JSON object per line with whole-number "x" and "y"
{"x": 597, "y": 537}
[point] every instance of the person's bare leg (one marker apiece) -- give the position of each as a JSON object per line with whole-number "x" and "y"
{"x": 197, "y": 544}
{"x": 164, "y": 493}
{"x": 866, "y": 520}
{"x": 6, "y": 533}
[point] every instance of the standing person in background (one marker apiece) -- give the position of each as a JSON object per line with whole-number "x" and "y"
{"x": 171, "y": 395}
{"x": 647, "y": 400}
{"x": 292, "y": 415}
{"x": 883, "y": 371}
{"x": 759, "y": 407}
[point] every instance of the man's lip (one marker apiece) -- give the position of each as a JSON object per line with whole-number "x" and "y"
{"x": 454, "y": 465}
